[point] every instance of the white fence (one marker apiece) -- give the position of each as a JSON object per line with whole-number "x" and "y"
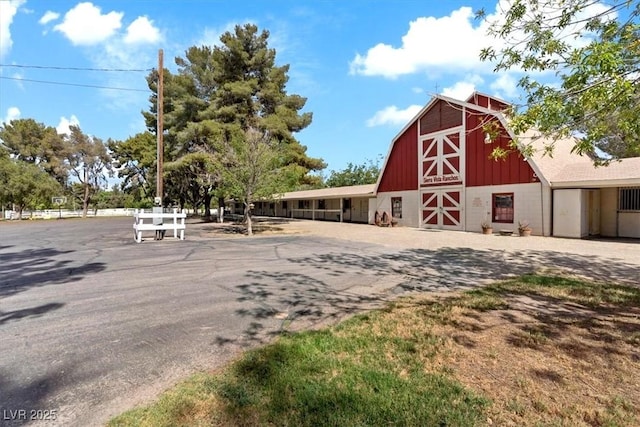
{"x": 67, "y": 213}
{"x": 156, "y": 222}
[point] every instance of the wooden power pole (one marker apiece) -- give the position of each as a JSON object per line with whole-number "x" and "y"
{"x": 160, "y": 131}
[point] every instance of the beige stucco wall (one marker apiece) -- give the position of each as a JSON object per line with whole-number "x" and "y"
{"x": 360, "y": 209}
{"x": 609, "y": 212}
{"x": 531, "y": 204}
{"x": 410, "y": 207}
{"x": 569, "y": 213}
{"x": 629, "y": 224}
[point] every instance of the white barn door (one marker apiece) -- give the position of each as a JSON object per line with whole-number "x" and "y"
{"x": 442, "y": 208}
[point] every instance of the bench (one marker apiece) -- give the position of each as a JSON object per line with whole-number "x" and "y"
{"x": 140, "y": 225}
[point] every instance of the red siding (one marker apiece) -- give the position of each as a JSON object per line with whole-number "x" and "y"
{"x": 440, "y": 116}
{"x": 486, "y": 102}
{"x": 401, "y": 171}
{"x": 481, "y": 169}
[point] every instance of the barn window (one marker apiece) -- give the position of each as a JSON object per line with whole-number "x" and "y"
{"x": 629, "y": 199}
{"x": 321, "y": 204}
{"x": 503, "y": 207}
{"x": 284, "y": 205}
{"x": 396, "y": 207}
{"x": 301, "y": 204}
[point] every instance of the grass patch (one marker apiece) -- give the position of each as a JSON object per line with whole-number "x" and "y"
{"x": 488, "y": 356}
{"x": 591, "y": 294}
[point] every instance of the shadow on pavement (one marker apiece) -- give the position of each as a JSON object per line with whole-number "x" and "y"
{"x": 455, "y": 268}
{"x": 311, "y": 302}
{"x": 31, "y": 268}
{"x": 28, "y": 312}
{"x": 19, "y": 400}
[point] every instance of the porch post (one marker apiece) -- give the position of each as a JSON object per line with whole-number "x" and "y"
{"x": 341, "y": 208}
{"x": 313, "y": 209}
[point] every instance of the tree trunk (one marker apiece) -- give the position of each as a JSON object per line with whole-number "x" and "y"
{"x": 247, "y": 215}
{"x": 207, "y": 206}
{"x": 85, "y": 201}
{"x": 220, "y": 209}
{"x": 85, "y": 198}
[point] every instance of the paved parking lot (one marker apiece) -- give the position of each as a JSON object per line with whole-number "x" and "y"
{"x": 92, "y": 323}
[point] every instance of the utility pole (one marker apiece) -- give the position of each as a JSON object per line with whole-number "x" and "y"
{"x": 160, "y": 131}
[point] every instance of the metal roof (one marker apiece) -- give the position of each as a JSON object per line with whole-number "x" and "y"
{"x": 329, "y": 193}
{"x": 564, "y": 168}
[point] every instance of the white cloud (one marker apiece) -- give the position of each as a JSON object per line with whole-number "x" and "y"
{"x": 142, "y": 31}
{"x": 393, "y": 116}
{"x": 13, "y": 113}
{"x": 459, "y": 91}
{"x": 449, "y": 41}
{"x": 63, "y": 126}
{"x": 48, "y": 17}
{"x": 17, "y": 77}
{"x": 211, "y": 36}
{"x": 417, "y": 90}
{"x": 453, "y": 43}
{"x": 506, "y": 86}
{"x": 8, "y": 10}
{"x": 86, "y": 25}
{"x": 463, "y": 89}
{"x": 119, "y": 47}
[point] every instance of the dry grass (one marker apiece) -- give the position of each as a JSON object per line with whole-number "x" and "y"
{"x": 534, "y": 351}
{"x": 261, "y": 226}
{"x": 546, "y": 356}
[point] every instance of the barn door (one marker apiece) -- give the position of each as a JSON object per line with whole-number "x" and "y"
{"x": 442, "y": 208}
{"x": 442, "y": 158}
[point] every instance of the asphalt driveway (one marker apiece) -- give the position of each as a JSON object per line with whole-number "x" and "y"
{"x": 92, "y": 323}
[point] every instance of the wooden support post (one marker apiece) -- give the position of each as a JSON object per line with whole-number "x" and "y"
{"x": 160, "y": 127}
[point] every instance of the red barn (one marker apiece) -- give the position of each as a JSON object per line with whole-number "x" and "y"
{"x": 439, "y": 174}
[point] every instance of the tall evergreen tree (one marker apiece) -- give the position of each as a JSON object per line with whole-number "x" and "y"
{"x": 220, "y": 93}
{"x": 35, "y": 143}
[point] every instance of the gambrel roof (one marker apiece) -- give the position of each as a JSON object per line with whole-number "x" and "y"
{"x": 560, "y": 169}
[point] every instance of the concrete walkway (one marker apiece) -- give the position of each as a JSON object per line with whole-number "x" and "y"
{"x": 601, "y": 259}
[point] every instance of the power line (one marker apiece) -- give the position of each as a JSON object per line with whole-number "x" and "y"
{"x": 74, "y": 84}
{"x": 50, "y": 67}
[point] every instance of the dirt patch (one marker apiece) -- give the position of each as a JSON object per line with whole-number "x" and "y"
{"x": 542, "y": 360}
{"x": 236, "y": 228}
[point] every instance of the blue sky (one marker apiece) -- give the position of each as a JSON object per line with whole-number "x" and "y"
{"x": 365, "y": 66}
